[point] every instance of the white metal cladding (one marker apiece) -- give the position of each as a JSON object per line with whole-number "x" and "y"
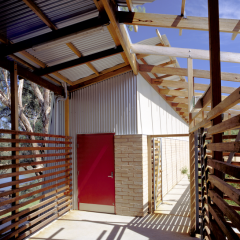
{"x": 155, "y": 116}
{"x": 108, "y": 106}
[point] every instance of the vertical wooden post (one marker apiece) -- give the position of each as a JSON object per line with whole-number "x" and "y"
{"x": 67, "y": 133}
{"x": 191, "y": 150}
{"x": 14, "y": 126}
{"x": 215, "y": 73}
{"x": 149, "y": 174}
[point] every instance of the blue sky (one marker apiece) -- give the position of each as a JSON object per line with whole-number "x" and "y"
{"x": 191, "y": 38}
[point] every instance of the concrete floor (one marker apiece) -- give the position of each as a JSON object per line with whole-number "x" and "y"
{"x": 100, "y": 226}
{"x": 177, "y": 201}
{"x": 169, "y": 222}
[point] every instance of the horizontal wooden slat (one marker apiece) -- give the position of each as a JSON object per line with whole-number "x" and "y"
{"x": 32, "y": 134}
{"x": 224, "y": 147}
{"x": 227, "y": 168}
{"x": 233, "y": 216}
{"x": 227, "y": 103}
{"x": 28, "y": 202}
{"x": 7, "y": 149}
{"x": 26, "y": 211}
{"x": 232, "y": 180}
{"x": 33, "y": 163}
{"x": 32, "y": 193}
{"x": 29, "y": 224}
{"x": 33, "y": 171}
{"x": 209, "y": 137}
{"x": 28, "y": 217}
{"x": 44, "y": 223}
{"x": 227, "y": 125}
{"x": 229, "y": 190}
{"x": 227, "y": 230}
{"x": 7, "y": 140}
{"x": 5, "y": 193}
{"x": 34, "y": 221}
{"x": 35, "y": 156}
{"x": 7, "y": 184}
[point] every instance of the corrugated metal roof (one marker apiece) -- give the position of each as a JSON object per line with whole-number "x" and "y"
{"x": 54, "y": 55}
{"x": 66, "y": 12}
{"x": 77, "y": 72}
{"x": 108, "y": 62}
{"x": 18, "y": 22}
{"x": 99, "y": 40}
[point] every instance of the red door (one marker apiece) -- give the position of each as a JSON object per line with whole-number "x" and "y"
{"x": 96, "y": 181}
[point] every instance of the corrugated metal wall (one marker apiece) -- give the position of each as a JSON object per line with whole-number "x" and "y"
{"x": 108, "y": 106}
{"x": 60, "y": 131}
{"x": 155, "y": 116}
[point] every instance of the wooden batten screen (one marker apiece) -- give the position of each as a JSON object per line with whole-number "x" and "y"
{"x": 42, "y": 191}
{"x": 156, "y": 172}
{"x": 219, "y": 194}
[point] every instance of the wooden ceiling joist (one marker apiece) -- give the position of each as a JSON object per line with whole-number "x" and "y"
{"x": 184, "y": 85}
{"x": 121, "y": 33}
{"x": 52, "y": 36}
{"x": 48, "y": 22}
{"x": 79, "y": 61}
{"x": 100, "y": 73}
{"x": 39, "y": 13}
{"x": 175, "y": 21}
{"x": 182, "y": 52}
{"x": 183, "y": 72}
{"x": 100, "y": 78}
{"x": 26, "y": 74}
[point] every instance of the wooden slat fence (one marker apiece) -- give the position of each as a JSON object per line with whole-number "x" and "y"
{"x": 35, "y": 184}
{"x": 219, "y": 194}
{"x": 157, "y": 173}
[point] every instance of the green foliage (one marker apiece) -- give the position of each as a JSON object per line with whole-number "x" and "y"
{"x": 135, "y": 9}
{"x": 184, "y": 171}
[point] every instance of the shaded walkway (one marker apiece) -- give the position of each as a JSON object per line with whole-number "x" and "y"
{"x": 177, "y": 201}
{"x": 99, "y": 226}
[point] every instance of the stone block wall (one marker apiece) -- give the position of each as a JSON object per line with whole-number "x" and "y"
{"x": 131, "y": 175}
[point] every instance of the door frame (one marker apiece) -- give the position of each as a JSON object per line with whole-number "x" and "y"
{"x": 113, "y": 165}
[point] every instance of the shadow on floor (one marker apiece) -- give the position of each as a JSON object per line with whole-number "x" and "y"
{"x": 86, "y": 225}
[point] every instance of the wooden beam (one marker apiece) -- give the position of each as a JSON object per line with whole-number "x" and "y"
{"x": 24, "y": 73}
{"x": 183, "y": 8}
{"x": 14, "y": 127}
{"x": 182, "y": 52}
{"x": 100, "y": 73}
{"x": 79, "y": 61}
{"x": 184, "y": 85}
{"x": 173, "y": 92}
{"x": 170, "y": 135}
{"x": 55, "y": 35}
{"x": 48, "y": 22}
{"x": 183, "y": 72}
{"x": 176, "y": 21}
{"x": 204, "y": 101}
{"x": 177, "y": 99}
{"x": 39, "y": 13}
{"x": 77, "y": 52}
{"x": 121, "y": 33}
{"x": 99, "y": 78}
{"x": 215, "y": 75}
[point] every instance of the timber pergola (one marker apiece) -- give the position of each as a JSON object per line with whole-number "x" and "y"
{"x": 27, "y": 52}
{"x": 85, "y": 45}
